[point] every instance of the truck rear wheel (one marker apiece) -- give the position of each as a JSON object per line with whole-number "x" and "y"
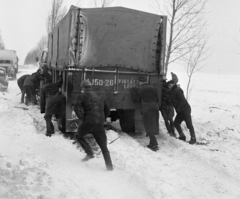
{"x": 127, "y": 120}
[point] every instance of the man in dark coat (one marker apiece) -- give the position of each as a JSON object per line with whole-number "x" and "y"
{"x": 167, "y": 109}
{"x": 30, "y": 85}
{"x": 148, "y": 98}
{"x": 20, "y": 83}
{"x": 45, "y": 75}
{"x": 92, "y": 110}
{"x": 183, "y": 110}
{"x": 52, "y": 102}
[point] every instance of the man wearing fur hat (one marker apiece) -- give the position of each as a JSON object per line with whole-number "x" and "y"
{"x": 92, "y": 110}
{"x": 183, "y": 110}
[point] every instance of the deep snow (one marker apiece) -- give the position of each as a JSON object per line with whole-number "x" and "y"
{"x": 33, "y": 166}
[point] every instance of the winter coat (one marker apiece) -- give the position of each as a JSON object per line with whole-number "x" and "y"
{"x": 51, "y": 100}
{"x": 147, "y": 96}
{"x": 45, "y": 78}
{"x": 177, "y": 99}
{"x": 90, "y": 107}
{"x": 166, "y": 106}
{"x": 165, "y": 95}
{"x": 146, "y": 93}
{"x": 33, "y": 81}
{"x": 21, "y": 80}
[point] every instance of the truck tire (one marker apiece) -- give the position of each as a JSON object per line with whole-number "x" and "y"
{"x": 127, "y": 120}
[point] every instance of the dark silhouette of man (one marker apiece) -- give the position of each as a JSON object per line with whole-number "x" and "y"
{"x": 30, "y": 86}
{"x": 92, "y": 110}
{"x": 183, "y": 110}
{"x": 52, "y": 102}
{"x": 167, "y": 110}
{"x": 147, "y": 96}
{"x": 20, "y": 83}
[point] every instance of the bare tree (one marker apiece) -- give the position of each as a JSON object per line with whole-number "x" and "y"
{"x": 30, "y": 58}
{"x": 238, "y": 43}
{"x": 56, "y": 14}
{"x": 2, "y": 46}
{"x": 41, "y": 45}
{"x": 195, "y": 61}
{"x": 36, "y": 52}
{"x": 185, "y": 23}
{"x": 102, "y": 3}
{"x": 78, "y": 3}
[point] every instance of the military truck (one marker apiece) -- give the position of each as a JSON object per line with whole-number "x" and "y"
{"x": 9, "y": 60}
{"x": 3, "y": 79}
{"x": 112, "y": 47}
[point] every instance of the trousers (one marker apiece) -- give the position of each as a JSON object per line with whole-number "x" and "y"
{"x": 184, "y": 115}
{"x": 49, "y": 124}
{"x": 99, "y": 135}
{"x": 150, "y": 116}
{"x": 31, "y": 94}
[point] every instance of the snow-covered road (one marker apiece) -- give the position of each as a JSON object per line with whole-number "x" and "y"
{"x": 33, "y": 166}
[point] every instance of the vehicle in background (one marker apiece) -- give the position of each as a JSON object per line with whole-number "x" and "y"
{"x": 9, "y": 60}
{"x": 3, "y": 79}
{"x": 113, "y": 48}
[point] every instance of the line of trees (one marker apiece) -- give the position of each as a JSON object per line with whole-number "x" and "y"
{"x": 2, "y": 46}
{"x": 36, "y": 52}
{"x": 56, "y": 14}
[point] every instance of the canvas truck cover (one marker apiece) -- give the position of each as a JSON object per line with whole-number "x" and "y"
{"x": 105, "y": 37}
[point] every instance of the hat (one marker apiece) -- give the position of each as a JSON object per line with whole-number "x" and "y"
{"x": 86, "y": 83}
{"x": 174, "y": 77}
{"x": 142, "y": 79}
{"x": 170, "y": 82}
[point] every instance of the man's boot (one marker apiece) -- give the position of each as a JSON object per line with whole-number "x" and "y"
{"x": 88, "y": 157}
{"x": 22, "y": 99}
{"x": 153, "y": 147}
{"x": 193, "y": 136}
{"x": 183, "y": 138}
{"x": 192, "y": 141}
{"x": 108, "y": 161}
{"x": 180, "y": 132}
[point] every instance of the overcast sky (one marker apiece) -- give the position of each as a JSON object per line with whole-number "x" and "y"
{"x": 23, "y": 23}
